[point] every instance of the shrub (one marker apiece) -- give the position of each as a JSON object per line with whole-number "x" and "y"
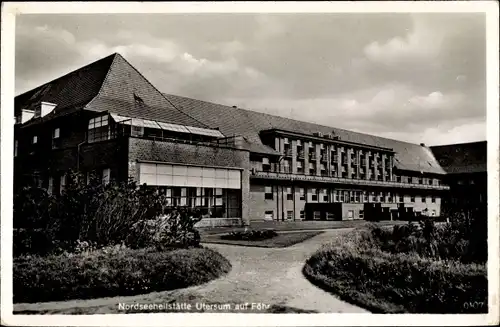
{"x": 464, "y": 238}
{"x": 102, "y": 215}
{"x": 402, "y": 282}
{"x": 250, "y": 235}
{"x": 112, "y": 271}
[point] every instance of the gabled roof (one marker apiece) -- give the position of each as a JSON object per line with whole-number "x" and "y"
{"x": 110, "y": 84}
{"x": 247, "y": 123}
{"x": 462, "y": 158}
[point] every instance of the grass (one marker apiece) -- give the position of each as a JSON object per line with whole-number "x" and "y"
{"x": 298, "y": 225}
{"x": 382, "y": 282}
{"x": 98, "y": 274}
{"x": 282, "y": 240}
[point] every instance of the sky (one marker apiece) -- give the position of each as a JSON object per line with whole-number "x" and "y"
{"x": 416, "y": 77}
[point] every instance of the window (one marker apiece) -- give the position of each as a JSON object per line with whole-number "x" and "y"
{"x": 423, "y": 199}
{"x": 412, "y": 198}
{"x": 361, "y": 214}
{"x": 34, "y": 140}
{"x": 137, "y": 131}
{"x": 99, "y": 129}
{"x": 302, "y": 193}
{"x": 314, "y": 194}
{"x": 106, "y": 174}
{"x": 365, "y": 197}
{"x": 401, "y": 199}
{"x": 317, "y": 215}
{"x": 350, "y": 214}
{"x": 50, "y": 188}
{"x": 268, "y": 193}
{"x": 357, "y": 196}
{"x": 16, "y": 147}
{"x": 268, "y": 215}
{"x": 55, "y": 138}
{"x": 302, "y": 214}
{"x": 266, "y": 166}
{"x": 289, "y": 215}
{"x": 433, "y": 199}
{"x": 62, "y": 183}
{"x": 289, "y": 194}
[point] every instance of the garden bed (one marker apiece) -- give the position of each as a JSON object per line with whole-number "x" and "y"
{"x": 402, "y": 279}
{"x": 123, "y": 273}
{"x": 281, "y": 240}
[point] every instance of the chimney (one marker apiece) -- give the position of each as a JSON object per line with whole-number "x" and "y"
{"x": 422, "y": 144}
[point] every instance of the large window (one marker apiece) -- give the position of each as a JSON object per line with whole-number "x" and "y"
{"x": 211, "y": 202}
{"x": 99, "y": 129}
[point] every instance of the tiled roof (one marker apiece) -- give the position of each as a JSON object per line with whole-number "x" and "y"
{"x": 110, "y": 84}
{"x": 70, "y": 92}
{"x": 247, "y": 123}
{"x": 462, "y": 158}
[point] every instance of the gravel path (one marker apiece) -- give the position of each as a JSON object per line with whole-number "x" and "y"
{"x": 270, "y": 276}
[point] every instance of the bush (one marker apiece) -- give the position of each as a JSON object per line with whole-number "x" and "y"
{"x": 100, "y": 214}
{"x": 463, "y": 238}
{"x": 397, "y": 283}
{"x": 112, "y": 271}
{"x": 250, "y": 235}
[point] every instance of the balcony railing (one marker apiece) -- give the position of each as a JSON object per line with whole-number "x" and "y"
{"x": 288, "y": 153}
{"x": 328, "y": 179}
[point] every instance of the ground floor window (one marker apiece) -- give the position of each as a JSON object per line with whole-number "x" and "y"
{"x": 317, "y": 215}
{"x": 268, "y": 215}
{"x": 302, "y": 214}
{"x": 212, "y": 202}
{"x": 289, "y": 215}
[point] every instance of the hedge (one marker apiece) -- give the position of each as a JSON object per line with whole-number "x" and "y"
{"x": 123, "y": 273}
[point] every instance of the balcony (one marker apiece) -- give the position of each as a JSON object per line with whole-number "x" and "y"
{"x": 301, "y": 154}
{"x": 288, "y": 153}
{"x": 312, "y": 156}
{"x": 323, "y": 158}
{"x": 338, "y": 180}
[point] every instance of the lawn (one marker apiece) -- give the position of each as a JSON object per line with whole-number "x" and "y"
{"x": 299, "y": 225}
{"x": 282, "y": 240}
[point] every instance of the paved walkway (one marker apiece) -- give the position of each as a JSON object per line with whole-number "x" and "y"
{"x": 259, "y": 275}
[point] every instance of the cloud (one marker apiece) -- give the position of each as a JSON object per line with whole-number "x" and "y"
{"x": 406, "y": 75}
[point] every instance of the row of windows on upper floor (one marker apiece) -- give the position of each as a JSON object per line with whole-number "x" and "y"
{"x": 56, "y": 140}
{"x": 370, "y": 173}
{"x": 337, "y": 149}
{"x": 354, "y": 196}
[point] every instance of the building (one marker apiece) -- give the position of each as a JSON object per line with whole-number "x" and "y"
{"x": 235, "y": 165}
{"x": 466, "y": 173}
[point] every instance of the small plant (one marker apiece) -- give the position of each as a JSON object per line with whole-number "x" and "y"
{"x": 250, "y": 235}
